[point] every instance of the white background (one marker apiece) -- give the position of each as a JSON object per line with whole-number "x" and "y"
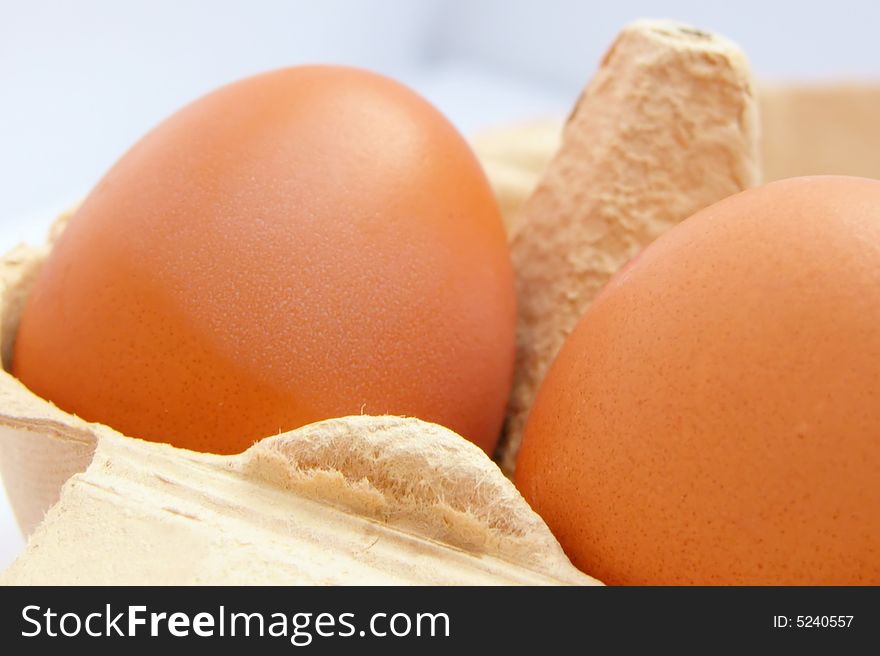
{"x": 80, "y": 81}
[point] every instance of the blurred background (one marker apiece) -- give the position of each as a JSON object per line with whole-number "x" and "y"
{"x": 81, "y": 81}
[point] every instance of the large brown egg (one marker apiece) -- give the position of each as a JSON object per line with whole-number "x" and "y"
{"x": 303, "y": 244}
{"x": 715, "y": 416}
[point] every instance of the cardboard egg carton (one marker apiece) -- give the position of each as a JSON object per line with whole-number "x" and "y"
{"x": 407, "y": 501}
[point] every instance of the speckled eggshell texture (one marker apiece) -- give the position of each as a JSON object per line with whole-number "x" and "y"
{"x": 715, "y": 416}
{"x": 307, "y": 243}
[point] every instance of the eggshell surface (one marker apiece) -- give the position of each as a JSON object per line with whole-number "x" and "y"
{"x": 312, "y": 242}
{"x": 715, "y": 416}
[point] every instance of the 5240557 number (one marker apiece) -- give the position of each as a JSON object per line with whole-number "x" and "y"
{"x": 812, "y": 621}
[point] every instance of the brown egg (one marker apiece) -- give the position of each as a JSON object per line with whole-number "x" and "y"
{"x": 715, "y": 416}
{"x": 303, "y": 244}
